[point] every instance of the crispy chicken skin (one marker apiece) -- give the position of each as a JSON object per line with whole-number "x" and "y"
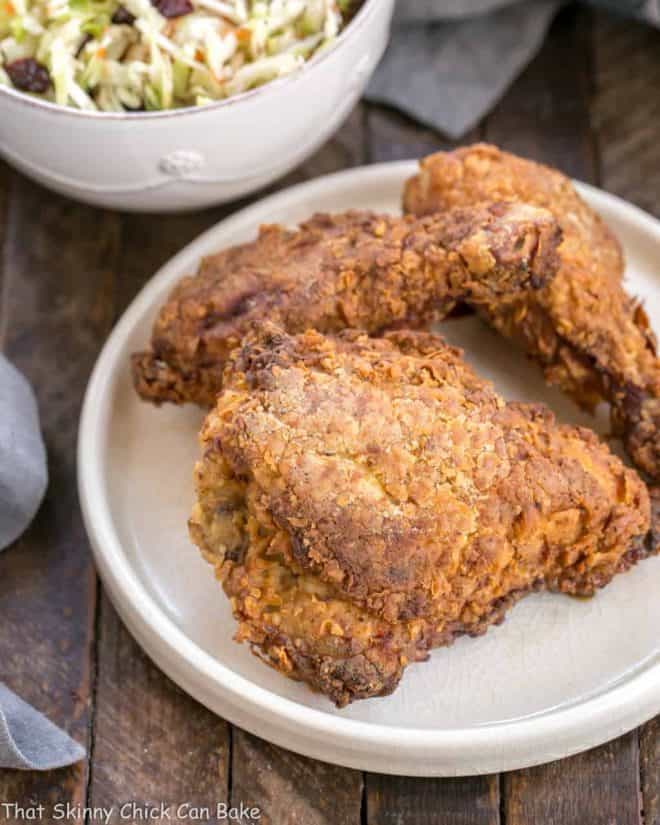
{"x": 364, "y": 500}
{"x": 356, "y": 270}
{"x": 591, "y": 338}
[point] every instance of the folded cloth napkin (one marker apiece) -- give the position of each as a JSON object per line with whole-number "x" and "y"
{"x": 450, "y": 61}
{"x": 23, "y": 473}
{"x": 27, "y": 739}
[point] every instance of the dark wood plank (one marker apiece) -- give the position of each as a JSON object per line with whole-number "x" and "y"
{"x": 153, "y": 744}
{"x": 545, "y": 114}
{"x": 149, "y": 241}
{"x": 394, "y": 136}
{"x": 626, "y": 117}
{"x": 469, "y": 800}
{"x": 6, "y": 177}
{"x": 289, "y": 789}
{"x": 649, "y": 753}
{"x": 345, "y": 149}
{"x": 626, "y": 109}
{"x": 593, "y": 788}
{"x": 59, "y": 259}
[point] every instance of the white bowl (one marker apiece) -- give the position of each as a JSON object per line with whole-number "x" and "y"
{"x": 191, "y": 158}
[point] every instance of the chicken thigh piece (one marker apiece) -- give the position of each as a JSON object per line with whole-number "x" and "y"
{"x": 364, "y": 500}
{"x": 356, "y": 270}
{"x": 591, "y": 337}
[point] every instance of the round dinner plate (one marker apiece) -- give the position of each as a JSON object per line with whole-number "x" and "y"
{"x": 559, "y": 676}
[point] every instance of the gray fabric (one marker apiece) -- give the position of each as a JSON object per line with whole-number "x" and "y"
{"x": 28, "y": 741}
{"x": 23, "y": 473}
{"x": 646, "y": 10}
{"x": 428, "y": 11}
{"x": 450, "y": 61}
{"x": 447, "y": 75}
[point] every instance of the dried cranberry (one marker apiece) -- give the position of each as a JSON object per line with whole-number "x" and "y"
{"x": 173, "y": 8}
{"x": 28, "y": 75}
{"x": 123, "y": 17}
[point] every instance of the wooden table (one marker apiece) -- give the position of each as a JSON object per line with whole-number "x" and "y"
{"x": 589, "y": 103}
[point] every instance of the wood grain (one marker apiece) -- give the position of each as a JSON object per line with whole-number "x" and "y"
{"x": 394, "y": 136}
{"x": 59, "y": 259}
{"x": 149, "y": 241}
{"x": 400, "y": 800}
{"x": 649, "y": 754}
{"x": 153, "y": 744}
{"x": 290, "y": 789}
{"x": 626, "y": 109}
{"x": 626, "y": 117}
{"x": 6, "y": 178}
{"x": 545, "y": 114}
{"x": 600, "y": 787}
{"x": 346, "y": 149}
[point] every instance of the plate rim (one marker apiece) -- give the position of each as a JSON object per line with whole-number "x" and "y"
{"x": 507, "y": 745}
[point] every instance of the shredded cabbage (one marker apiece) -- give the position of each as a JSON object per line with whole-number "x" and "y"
{"x": 114, "y": 55}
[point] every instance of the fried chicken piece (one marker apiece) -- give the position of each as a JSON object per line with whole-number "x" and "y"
{"x": 364, "y": 500}
{"x": 355, "y": 270}
{"x": 592, "y": 339}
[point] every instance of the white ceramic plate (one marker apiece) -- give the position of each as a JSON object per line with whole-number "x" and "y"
{"x": 561, "y": 675}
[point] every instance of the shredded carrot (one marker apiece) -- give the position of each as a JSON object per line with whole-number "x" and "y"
{"x": 9, "y": 8}
{"x": 100, "y": 53}
{"x": 243, "y": 35}
{"x": 199, "y": 55}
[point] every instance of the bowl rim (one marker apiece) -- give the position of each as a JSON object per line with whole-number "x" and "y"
{"x": 364, "y": 14}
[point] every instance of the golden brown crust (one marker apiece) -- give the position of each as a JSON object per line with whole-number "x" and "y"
{"x": 592, "y": 339}
{"x": 355, "y": 270}
{"x": 364, "y": 500}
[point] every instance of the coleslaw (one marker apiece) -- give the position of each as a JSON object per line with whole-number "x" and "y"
{"x": 151, "y": 55}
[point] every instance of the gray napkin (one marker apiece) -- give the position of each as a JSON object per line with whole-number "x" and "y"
{"x": 27, "y": 739}
{"x": 450, "y": 61}
{"x": 23, "y": 473}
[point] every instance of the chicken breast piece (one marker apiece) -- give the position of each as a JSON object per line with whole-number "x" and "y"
{"x": 588, "y": 334}
{"x": 355, "y": 270}
{"x": 365, "y": 500}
